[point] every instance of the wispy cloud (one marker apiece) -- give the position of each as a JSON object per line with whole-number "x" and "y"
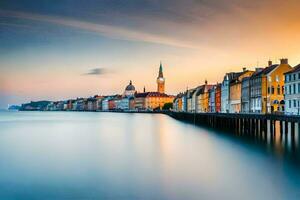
{"x": 115, "y": 32}
{"x": 97, "y": 71}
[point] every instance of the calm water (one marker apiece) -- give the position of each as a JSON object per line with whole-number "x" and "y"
{"x": 72, "y": 155}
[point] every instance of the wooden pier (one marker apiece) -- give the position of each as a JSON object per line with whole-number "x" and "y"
{"x": 246, "y": 124}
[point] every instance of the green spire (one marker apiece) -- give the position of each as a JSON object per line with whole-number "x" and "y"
{"x": 160, "y": 74}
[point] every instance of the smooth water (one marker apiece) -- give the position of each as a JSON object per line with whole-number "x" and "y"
{"x": 80, "y": 155}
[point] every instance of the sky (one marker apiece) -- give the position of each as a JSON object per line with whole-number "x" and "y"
{"x": 61, "y": 49}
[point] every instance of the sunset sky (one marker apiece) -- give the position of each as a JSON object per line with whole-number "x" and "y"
{"x": 70, "y": 48}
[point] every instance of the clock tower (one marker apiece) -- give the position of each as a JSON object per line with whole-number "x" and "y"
{"x": 160, "y": 80}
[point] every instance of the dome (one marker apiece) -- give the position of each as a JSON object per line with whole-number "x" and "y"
{"x": 130, "y": 87}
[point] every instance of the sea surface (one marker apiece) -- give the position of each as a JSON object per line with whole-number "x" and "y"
{"x": 82, "y": 155}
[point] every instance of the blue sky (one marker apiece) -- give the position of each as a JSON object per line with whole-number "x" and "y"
{"x": 48, "y": 47}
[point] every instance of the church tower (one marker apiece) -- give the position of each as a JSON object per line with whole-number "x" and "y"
{"x": 160, "y": 80}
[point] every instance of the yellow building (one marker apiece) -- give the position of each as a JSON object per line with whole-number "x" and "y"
{"x": 275, "y": 87}
{"x": 235, "y": 91}
{"x": 152, "y": 100}
{"x": 202, "y": 98}
{"x": 267, "y": 88}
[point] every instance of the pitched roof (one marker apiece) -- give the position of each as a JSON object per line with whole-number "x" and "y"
{"x": 264, "y": 71}
{"x": 141, "y": 95}
{"x": 295, "y": 69}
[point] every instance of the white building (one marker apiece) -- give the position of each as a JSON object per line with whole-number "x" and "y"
{"x": 105, "y": 105}
{"x": 292, "y": 91}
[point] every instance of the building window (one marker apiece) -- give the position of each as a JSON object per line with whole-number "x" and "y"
{"x": 278, "y": 90}
{"x": 290, "y": 77}
{"x": 282, "y": 89}
{"x": 269, "y": 78}
{"x": 294, "y": 77}
{"x": 272, "y": 90}
{"x": 294, "y": 88}
{"x": 290, "y": 103}
{"x": 269, "y": 90}
{"x": 295, "y": 103}
{"x": 299, "y": 88}
{"x": 290, "y": 89}
{"x": 286, "y": 78}
{"x": 298, "y": 75}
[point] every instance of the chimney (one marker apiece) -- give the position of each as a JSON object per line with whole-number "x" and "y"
{"x": 284, "y": 61}
{"x": 244, "y": 69}
{"x": 205, "y": 82}
{"x": 269, "y": 62}
{"x": 144, "y": 89}
{"x": 258, "y": 69}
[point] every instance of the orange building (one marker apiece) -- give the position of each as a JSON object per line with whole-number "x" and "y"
{"x": 152, "y": 100}
{"x": 218, "y": 97}
{"x": 235, "y": 95}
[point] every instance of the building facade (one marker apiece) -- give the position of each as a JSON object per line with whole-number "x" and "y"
{"x": 245, "y": 99}
{"x": 212, "y": 98}
{"x": 218, "y": 98}
{"x": 236, "y": 91}
{"x": 267, "y": 88}
{"x": 225, "y": 91}
{"x": 292, "y": 91}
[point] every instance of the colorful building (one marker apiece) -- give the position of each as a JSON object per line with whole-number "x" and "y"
{"x": 245, "y": 99}
{"x": 202, "y": 101}
{"x": 152, "y": 100}
{"x": 267, "y": 88}
{"x": 218, "y": 97}
{"x": 292, "y": 91}
{"x": 212, "y": 99}
{"x": 225, "y": 91}
{"x": 235, "y": 91}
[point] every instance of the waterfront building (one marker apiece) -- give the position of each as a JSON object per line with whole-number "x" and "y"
{"x": 152, "y": 100}
{"x": 178, "y": 104}
{"x": 80, "y": 104}
{"x": 125, "y": 103}
{"x": 212, "y": 98}
{"x": 129, "y": 90}
{"x": 292, "y": 91}
{"x": 202, "y": 101}
{"x": 70, "y": 104}
{"x": 140, "y": 100}
{"x": 267, "y": 88}
{"x": 105, "y": 105}
{"x": 98, "y": 102}
{"x": 74, "y": 105}
{"x": 195, "y": 98}
{"x": 190, "y": 101}
{"x": 91, "y": 104}
{"x": 112, "y": 104}
{"x": 245, "y": 99}
{"x": 160, "y": 80}
{"x": 235, "y": 91}
{"x": 218, "y": 97}
{"x": 225, "y": 91}
{"x": 184, "y": 102}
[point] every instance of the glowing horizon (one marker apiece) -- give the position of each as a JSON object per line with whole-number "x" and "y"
{"x": 48, "y": 50}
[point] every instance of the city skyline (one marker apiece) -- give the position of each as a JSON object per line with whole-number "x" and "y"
{"x": 67, "y": 49}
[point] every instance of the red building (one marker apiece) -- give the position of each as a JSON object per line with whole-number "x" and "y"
{"x": 111, "y": 104}
{"x": 218, "y": 98}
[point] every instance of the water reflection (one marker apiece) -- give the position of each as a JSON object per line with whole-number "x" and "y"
{"x": 56, "y": 155}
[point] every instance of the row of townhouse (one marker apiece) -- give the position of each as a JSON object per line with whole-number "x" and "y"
{"x": 272, "y": 89}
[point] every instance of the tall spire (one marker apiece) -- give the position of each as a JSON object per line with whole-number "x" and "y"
{"x": 160, "y": 74}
